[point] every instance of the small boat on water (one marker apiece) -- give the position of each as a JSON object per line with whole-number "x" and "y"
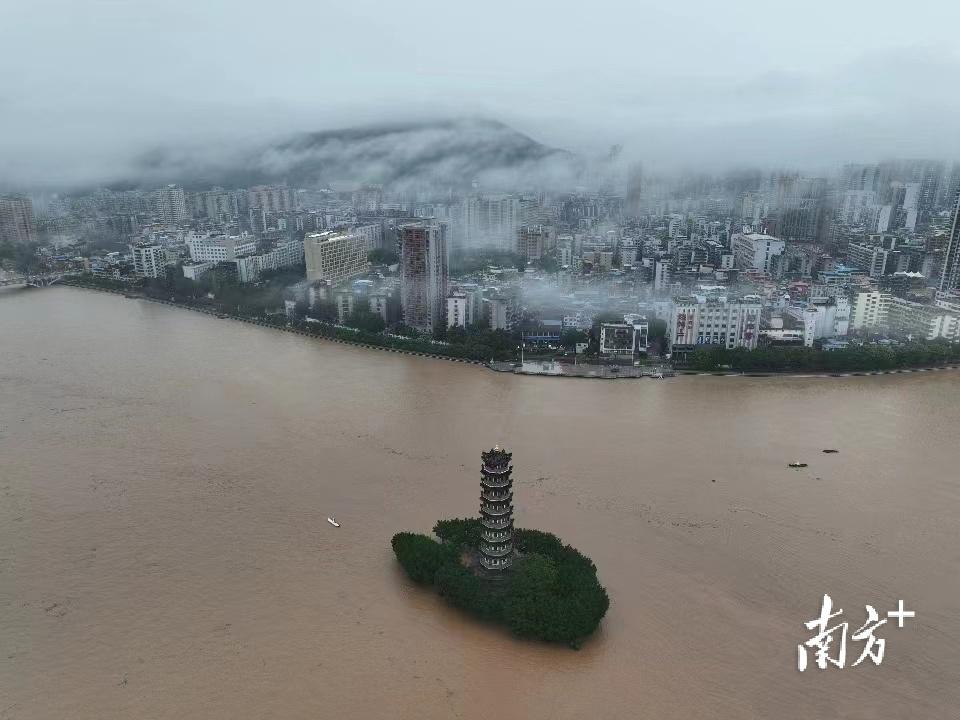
{"x": 830, "y": 452}
{"x": 333, "y": 522}
{"x": 797, "y": 465}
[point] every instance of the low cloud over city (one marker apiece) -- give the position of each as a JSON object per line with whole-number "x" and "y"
{"x": 701, "y": 87}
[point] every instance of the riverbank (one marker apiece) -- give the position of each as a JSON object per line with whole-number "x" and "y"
{"x": 263, "y": 323}
{"x": 538, "y": 369}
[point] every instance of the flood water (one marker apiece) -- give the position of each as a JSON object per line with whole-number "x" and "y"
{"x": 165, "y": 479}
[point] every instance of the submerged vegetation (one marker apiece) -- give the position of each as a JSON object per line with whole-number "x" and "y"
{"x": 551, "y": 593}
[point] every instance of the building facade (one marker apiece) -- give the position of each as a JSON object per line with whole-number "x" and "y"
{"x": 423, "y": 274}
{"x": 700, "y": 320}
{"x": 16, "y": 219}
{"x": 950, "y": 278}
{"x": 756, "y": 251}
{"x": 149, "y": 260}
{"x": 335, "y": 256}
{"x": 171, "y": 205}
{"x": 457, "y": 310}
{"x": 219, "y": 248}
{"x": 869, "y": 310}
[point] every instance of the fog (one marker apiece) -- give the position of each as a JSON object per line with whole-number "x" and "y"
{"x": 94, "y": 89}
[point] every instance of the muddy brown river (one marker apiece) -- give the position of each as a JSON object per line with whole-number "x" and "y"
{"x": 165, "y": 479}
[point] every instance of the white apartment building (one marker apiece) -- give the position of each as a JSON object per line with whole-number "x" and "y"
{"x": 922, "y": 321}
{"x": 883, "y": 311}
{"x": 283, "y": 254}
{"x": 149, "y": 260}
{"x": 699, "y": 320}
{"x": 335, "y": 256}
{"x": 756, "y": 251}
{"x": 872, "y": 259}
{"x": 823, "y": 317}
{"x": 219, "y": 248}
{"x": 457, "y": 310}
{"x": 870, "y": 310}
{"x": 662, "y": 275}
{"x": 195, "y": 271}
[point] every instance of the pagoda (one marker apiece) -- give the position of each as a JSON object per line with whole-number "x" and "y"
{"x": 496, "y": 510}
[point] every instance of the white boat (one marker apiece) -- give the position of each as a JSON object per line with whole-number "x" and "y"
{"x": 333, "y": 522}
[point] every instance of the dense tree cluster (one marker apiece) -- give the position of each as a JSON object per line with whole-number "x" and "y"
{"x": 21, "y": 257}
{"x": 551, "y": 593}
{"x": 804, "y": 359}
{"x": 364, "y": 319}
{"x": 420, "y": 556}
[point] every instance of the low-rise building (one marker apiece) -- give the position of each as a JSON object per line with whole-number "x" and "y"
{"x": 149, "y": 260}
{"x": 700, "y": 320}
{"x": 195, "y": 271}
{"x": 822, "y": 317}
{"x": 917, "y": 320}
{"x": 219, "y": 248}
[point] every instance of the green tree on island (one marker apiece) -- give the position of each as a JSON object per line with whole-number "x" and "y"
{"x": 552, "y": 592}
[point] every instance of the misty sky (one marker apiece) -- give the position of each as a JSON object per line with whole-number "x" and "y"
{"x": 89, "y": 84}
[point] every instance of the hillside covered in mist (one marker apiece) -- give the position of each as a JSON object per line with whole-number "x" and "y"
{"x": 447, "y": 153}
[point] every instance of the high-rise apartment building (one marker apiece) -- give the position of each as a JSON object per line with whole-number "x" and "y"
{"x": 16, "y": 219}
{"x": 270, "y": 198}
{"x": 950, "y": 278}
{"x": 535, "y": 241}
{"x": 423, "y": 274}
{"x": 217, "y": 204}
{"x": 335, "y": 256}
{"x": 171, "y": 204}
{"x": 457, "y": 310}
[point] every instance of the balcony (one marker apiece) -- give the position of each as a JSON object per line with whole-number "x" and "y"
{"x": 494, "y": 497}
{"x": 498, "y": 536}
{"x": 496, "y": 524}
{"x": 496, "y": 552}
{"x": 495, "y": 481}
{"x": 497, "y": 471}
{"x": 496, "y": 510}
{"x": 496, "y": 563}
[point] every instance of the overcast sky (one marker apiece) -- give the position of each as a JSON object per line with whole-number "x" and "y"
{"x": 87, "y": 84}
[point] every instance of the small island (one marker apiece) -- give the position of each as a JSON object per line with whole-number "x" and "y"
{"x": 527, "y": 580}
